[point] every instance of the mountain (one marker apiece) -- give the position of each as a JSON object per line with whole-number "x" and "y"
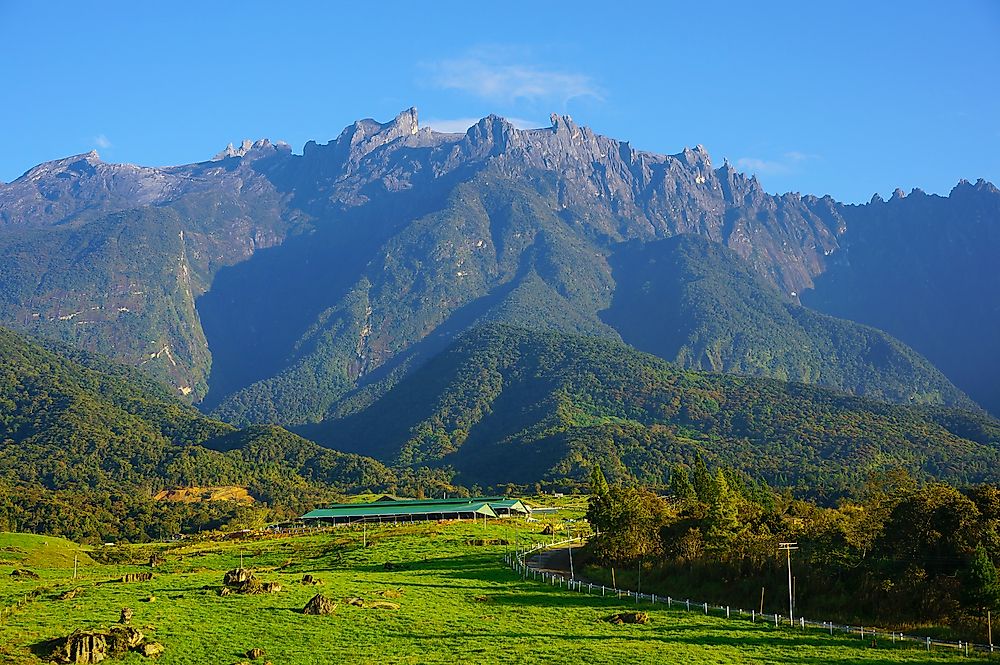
{"x": 73, "y": 421}
{"x": 923, "y": 268}
{"x": 268, "y": 286}
{"x": 506, "y": 404}
{"x": 701, "y": 305}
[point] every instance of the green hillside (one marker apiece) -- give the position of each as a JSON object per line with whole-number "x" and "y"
{"x": 506, "y": 404}
{"x": 74, "y": 431}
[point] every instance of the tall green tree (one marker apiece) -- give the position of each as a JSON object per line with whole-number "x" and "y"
{"x": 981, "y": 584}
{"x": 723, "y": 512}
{"x": 704, "y": 484}
{"x": 600, "y": 507}
{"x": 681, "y": 486}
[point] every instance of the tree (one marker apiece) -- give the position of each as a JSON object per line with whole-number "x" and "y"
{"x": 704, "y": 485}
{"x": 599, "y": 507}
{"x": 681, "y": 487}
{"x": 981, "y": 584}
{"x": 723, "y": 512}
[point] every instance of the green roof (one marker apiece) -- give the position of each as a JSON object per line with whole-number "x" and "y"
{"x": 399, "y": 508}
{"x": 385, "y": 501}
{"x": 510, "y": 504}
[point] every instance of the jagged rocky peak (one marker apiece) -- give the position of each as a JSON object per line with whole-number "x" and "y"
{"x": 368, "y": 131}
{"x": 363, "y": 136}
{"x": 248, "y": 147}
{"x": 696, "y": 157}
{"x": 966, "y": 187}
{"x": 491, "y": 130}
{"x": 78, "y": 164}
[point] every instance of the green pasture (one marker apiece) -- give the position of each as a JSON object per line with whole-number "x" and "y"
{"x": 457, "y": 602}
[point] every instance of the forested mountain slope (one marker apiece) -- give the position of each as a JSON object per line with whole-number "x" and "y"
{"x": 924, "y": 269}
{"x": 78, "y": 422}
{"x": 699, "y": 304}
{"x": 506, "y": 404}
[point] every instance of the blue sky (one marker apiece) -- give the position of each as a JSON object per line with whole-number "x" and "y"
{"x": 846, "y": 98}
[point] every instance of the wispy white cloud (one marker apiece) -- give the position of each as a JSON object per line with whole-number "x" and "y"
{"x": 498, "y": 76}
{"x": 787, "y": 163}
{"x": 102, "y": 141}
{"x": 462, "y": 124}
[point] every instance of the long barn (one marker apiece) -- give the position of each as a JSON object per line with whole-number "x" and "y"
{"x": 389, "y": 509}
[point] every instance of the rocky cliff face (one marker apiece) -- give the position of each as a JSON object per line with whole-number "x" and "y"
{"x": 378, "y": 243}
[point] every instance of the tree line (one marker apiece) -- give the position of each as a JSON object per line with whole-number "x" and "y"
{"x": 896, "y": 553}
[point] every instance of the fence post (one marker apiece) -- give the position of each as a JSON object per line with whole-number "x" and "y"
{"x": 602, "y": 591}
{"x": 653, "y": 599}
{"x": 831, "y": 628}
{"x": 802, "y": 622}
{"x": 753, "y": 616}
{"x": 775, "y": 619}
{"x": 669, "y": 599}
{"x": 727, "y": 611}
{"x": 928, "y": 644}
{"x": 706, "y": 608}
{"x": 688, "y": 604}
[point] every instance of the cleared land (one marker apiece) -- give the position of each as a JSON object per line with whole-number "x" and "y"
{"x": 456, "y": 600}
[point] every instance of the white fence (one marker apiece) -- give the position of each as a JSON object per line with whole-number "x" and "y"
{"x": 518, "y": 561}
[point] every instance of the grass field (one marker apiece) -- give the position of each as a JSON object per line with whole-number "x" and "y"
{"x": 457, "y": 602}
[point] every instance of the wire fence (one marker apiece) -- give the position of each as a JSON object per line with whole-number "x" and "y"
{"x": 518, "y": 561}
{"x": 31, "y": 596}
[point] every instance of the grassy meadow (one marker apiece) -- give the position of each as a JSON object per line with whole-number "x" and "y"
{"x": 456, "y": 600}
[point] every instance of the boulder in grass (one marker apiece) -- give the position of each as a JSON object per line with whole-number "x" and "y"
{"x": 255, "y": 653}
{"x": 271, "y": 587}
{"x": 319, "y": 605}
{"x": 309, "y": 579}
{"x": 237, "y": 576}
{"x": 126, "y": 616}
{"x": 82, "y": 647}
{"x": 629, "y": 617}
{"x": 85, "y": 647}
{"x": 71, "y": 594}
{"x": 382, "y": 605}
{"x": 26, "y": 574}
{"x": 152, "y": 649}
{"x": 122, "y": 639}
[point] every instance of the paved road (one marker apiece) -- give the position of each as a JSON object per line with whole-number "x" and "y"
{"x": 551, "y": 561}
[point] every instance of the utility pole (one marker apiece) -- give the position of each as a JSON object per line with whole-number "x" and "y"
{"x": 787, "y": 549}
{"x": 571, "y": 575}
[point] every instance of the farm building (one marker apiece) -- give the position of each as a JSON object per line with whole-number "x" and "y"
{"x": 506, "y": 507}
{"x": 388, "y": 509}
